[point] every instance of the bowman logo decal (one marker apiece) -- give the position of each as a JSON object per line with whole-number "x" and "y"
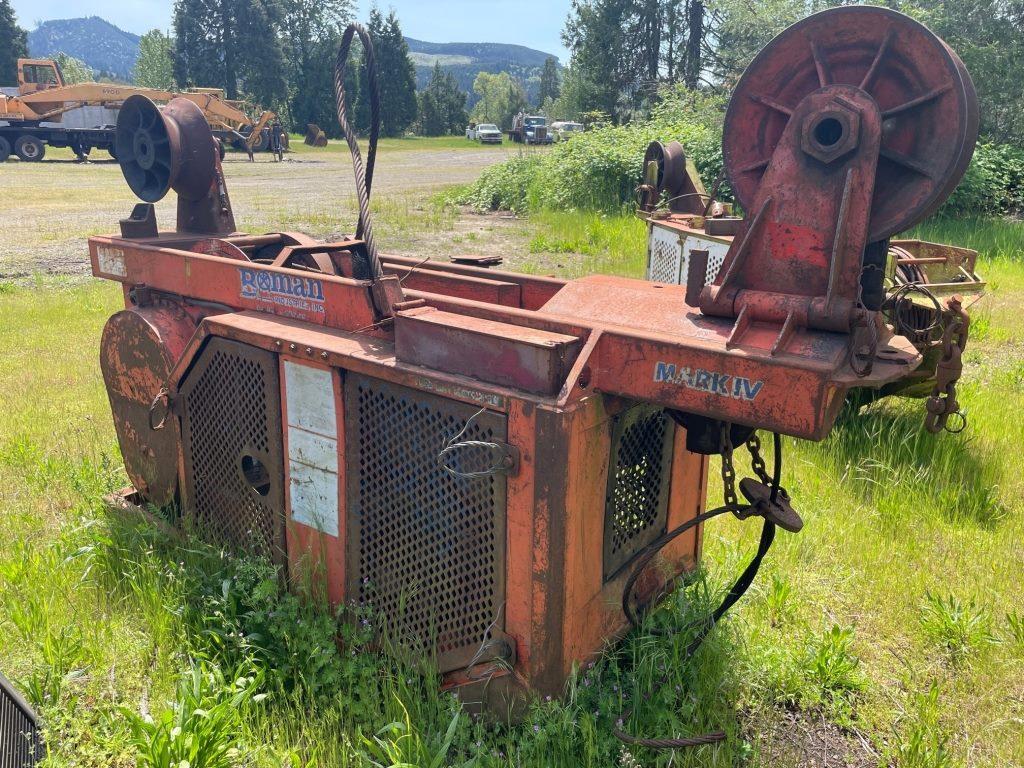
{"x": 708, "y": 381}
{"x": 286, "y": 291}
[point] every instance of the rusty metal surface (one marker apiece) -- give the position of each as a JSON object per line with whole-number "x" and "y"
{"x": 530, "y": 360}
{"x": 172, "y": 147}
{"x": 222, "y": 248}
{"x": 944, "y": 269}
{"x": 437, "y": 371}
{"x": 671, "y": 178}
{"x": 230, "y": 406}
{"x": 315, "y": 137}
{"x": 424, "y": 547}
{"x": 137, "y": 352}
{"x": 800, "y": 252}
{"x": 924, "y": 95}
{"x": 942, "y": 405}
{"x": 490, "y": 289}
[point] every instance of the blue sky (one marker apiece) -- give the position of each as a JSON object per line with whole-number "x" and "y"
{"x": 534, "y": 23}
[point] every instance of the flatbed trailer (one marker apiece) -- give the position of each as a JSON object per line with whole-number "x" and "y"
{"x": 29, "y": 141}
{"x": 44, "y": 111}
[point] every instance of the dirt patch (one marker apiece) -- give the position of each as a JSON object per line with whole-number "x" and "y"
{"x": 803, "y": 740}
{"x": 52, "y": 207}
{"x": 470, "y": 233}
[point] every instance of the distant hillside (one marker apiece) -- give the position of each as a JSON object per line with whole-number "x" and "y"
{"x": 101, "y": 45}
{"x": 465, "y": 60}
{"x": 107, "y": 49}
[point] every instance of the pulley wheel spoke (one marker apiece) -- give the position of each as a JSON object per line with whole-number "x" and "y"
{"x": 927, "y": 100}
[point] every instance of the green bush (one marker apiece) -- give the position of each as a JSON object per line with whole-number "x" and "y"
{"x": 599, "y": 170}
{"x": 994, "y": 184}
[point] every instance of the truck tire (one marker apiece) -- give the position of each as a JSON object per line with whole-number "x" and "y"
{"x": 263, "y": 143}
{"x": 29, "y": 149}
{"x": 5, "y": 149}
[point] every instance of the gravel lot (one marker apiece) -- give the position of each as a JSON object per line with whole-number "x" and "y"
{"x": 52, "y": 207}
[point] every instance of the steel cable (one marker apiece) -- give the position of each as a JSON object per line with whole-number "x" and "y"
{"x": 706, "y": 624}
{"x": 363, "y": 174}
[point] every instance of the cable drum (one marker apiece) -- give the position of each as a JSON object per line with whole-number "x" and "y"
{"x": 927, "y": 101}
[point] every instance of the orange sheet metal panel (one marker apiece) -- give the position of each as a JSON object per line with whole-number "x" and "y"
{"x": 526, "y": 359}
{"x": 313, "y": 415}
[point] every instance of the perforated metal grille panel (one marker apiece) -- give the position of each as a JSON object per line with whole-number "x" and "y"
{"x": 231, "y": 430}
{"x": 715, "y": 260}
{"x": 424, "y": 548}
{"x": 20, "y": 743}
{"x": 668, "y": 258}
{"x": 639, "y": 474}
{"x": 665, "y": 255}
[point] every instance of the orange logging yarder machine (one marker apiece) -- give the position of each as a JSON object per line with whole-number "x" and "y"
{"x": 510, "y": 467}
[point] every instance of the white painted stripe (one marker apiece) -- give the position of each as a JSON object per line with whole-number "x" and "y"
{"x": 314, "y": 497}
{"x": 310, "y": 396}
{"x": 312, "y": 447}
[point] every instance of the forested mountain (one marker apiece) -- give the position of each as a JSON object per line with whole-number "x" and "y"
{"x": 107, "y": 49}
{"x": 465, "y": 60}
{"x": 102, "y": 46}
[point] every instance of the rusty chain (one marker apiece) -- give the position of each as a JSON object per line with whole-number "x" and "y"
{"x": 943, "y": 404}
{"x": 703, "y": 626}
{"x": 757, "y": 460}
{"x": 728, "y": 471}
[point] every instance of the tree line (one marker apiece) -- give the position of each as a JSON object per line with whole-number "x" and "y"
{"x": 623, "y": 52}
{"x": 280, "y": 53}
{"x": 13, "y": 44}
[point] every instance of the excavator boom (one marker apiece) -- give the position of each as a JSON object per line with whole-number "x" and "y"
{"x": 43, "y": 96}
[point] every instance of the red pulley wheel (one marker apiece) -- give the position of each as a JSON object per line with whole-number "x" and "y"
{"x": 927, "y": 100}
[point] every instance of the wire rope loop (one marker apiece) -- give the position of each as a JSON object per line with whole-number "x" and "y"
{"x": 363, "y": 173}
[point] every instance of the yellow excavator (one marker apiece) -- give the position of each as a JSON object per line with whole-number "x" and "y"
{"x": 43, "y": 110}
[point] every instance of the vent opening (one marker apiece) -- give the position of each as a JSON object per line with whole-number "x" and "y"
{"x": 639, "y": 474}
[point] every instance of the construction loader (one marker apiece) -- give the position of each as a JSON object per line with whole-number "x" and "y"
{"x": 43, "y": 110}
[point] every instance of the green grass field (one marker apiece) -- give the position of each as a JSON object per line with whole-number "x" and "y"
{"x": 889, "y": 632}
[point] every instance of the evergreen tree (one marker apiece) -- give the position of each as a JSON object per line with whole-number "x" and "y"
{"x": 430, "y": 122}
{"x": 516, "y": 101}
{"x": 199, "y": 46}
{"x": 230, "y": 44}
{"x": 501, "y": 98}
{"x": 261, "y": 62}
{"x": 442, "y": 105}
{"x": 550, "y": 85}
{"x": 312, "y": 34}
{"x": 594, "y": 33}
{"x": 622, "y": 50}
{"x": 13, "y": 44}
{"x": 397, "y": 77}
{"x": 155, "y": 65}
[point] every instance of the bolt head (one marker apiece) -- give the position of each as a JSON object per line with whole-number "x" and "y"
{"x": 830, "y": 133}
